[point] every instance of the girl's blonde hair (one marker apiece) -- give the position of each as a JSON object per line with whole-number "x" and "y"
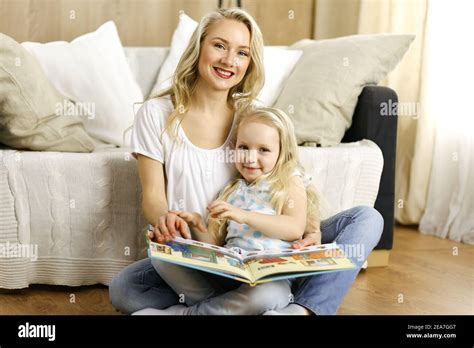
{"x": 186, "y": 76}
{"x": 287, "y": 164}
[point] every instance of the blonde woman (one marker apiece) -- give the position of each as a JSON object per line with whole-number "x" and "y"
{"x": 264, "y": 208}
{"x": 179, "y": 139}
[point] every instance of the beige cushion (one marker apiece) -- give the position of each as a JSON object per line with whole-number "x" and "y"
{"x": 29, "y": 105}
{"x": 321, "y": 93}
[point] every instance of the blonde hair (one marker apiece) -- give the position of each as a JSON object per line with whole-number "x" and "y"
{"x": 187, "y": 74}
{"x": 279, "y": 177}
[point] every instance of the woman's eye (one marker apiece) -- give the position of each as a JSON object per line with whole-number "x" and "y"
{"x": 243, "y": 53}
{"x": 242, "y": 147}
{"x": 264, "y": 149}
{"x": 219, "y": 46}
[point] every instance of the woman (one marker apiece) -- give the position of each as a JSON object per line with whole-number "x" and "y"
{"x": 184, "y": 131}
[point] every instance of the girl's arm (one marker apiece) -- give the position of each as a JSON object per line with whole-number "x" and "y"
{"x": 213, "y": 229}
{"x": 289, "y": 226}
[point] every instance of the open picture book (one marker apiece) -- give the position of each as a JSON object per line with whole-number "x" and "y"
{"x": 253, "y": 267}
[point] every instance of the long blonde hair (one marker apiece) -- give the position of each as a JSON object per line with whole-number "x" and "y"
{"x": 279, "y": 177}
{"x": 186, "y": 76}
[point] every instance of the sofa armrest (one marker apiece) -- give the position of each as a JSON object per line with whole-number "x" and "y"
{"x": 368, "y": 123}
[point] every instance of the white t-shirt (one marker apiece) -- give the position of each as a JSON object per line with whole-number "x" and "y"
{"x": 194, "y": 175}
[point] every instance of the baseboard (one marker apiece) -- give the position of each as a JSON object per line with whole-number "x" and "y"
{"x": 378, "y": 258}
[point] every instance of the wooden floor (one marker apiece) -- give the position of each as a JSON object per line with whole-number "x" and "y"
{"x": 423, "y": 277}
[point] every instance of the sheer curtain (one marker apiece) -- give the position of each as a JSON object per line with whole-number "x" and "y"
{"x": 449, "y": 211}
{"x": 434, "y": 168}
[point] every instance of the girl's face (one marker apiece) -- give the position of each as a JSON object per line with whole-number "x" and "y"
{"x": 258, "y": 147}
{"x": 225, "y": 54}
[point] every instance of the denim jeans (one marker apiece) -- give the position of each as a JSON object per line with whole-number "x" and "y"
{"x": 139, "y": 286}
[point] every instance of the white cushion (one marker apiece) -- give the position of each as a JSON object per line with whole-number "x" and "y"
{"x": 92, "y": 70}
{"x": 278, "y": 62}
{"x": 179, "y": 42}
{"x": 145, "y": 63}
{"x": 321, "y": 93}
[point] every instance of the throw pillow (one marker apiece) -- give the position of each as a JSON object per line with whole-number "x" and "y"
{"x": 321, "y": 93}
{"x": 92, "y": 70}
{"x": 179, "y": 42}
{"x": 29, "y": 105}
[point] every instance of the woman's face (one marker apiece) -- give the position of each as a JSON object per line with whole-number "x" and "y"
{"x": 225, "y": 54}
{"x": 258, "y": 148}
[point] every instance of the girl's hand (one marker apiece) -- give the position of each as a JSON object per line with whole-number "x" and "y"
{"x": 169, "y": 226}
{"x": 224, "y": 210}
{"x": 194, "y": 220}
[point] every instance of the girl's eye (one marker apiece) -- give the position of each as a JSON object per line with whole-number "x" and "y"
{"x": 262, "y": 149}
{"x": 219, "y": 45}
{"x": 243, "y": 53}
{"x": 242, "y": 147}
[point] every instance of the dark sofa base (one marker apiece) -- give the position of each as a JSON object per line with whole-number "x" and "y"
{"x": 368, "y": 123}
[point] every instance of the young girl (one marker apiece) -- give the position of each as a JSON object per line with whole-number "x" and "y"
{"x": 264, "y": 207}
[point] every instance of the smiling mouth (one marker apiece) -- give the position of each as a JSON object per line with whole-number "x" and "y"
{"x": 250, "y": 168}
{"x": 222, "y": 73}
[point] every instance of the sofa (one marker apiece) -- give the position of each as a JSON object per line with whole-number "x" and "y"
{"x": 75, "y": 218}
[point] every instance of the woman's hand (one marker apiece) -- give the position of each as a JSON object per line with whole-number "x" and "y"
{"x": 312, "y": 234}
{"x": 168, "y": 227}
{"x": 194, "y": 220}
{"x": 224, "y": 210}
{"x": 309, "y": 238}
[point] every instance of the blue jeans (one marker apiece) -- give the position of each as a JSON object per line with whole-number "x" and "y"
{"x": 139, "y": 286}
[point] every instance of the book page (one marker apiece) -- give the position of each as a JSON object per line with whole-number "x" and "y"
{"x": 199, "y": 255}
{"x": 272, "y": 252}
{"x": 204, "y": 245}
{"x": 309, "y": 261}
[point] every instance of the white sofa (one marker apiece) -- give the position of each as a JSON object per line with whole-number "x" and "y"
{"x": 83, "y": 212}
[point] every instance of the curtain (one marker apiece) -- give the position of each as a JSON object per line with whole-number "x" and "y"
{"x": 449, "y": 211}
{"x": 424, "y": 181}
